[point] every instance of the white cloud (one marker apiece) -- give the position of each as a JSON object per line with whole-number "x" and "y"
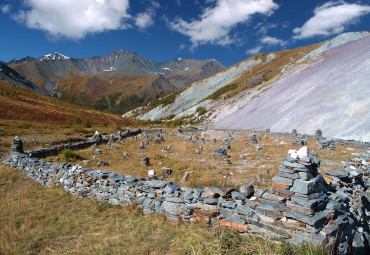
{"x": 74, "y": 19}
{"x": 271, "y": 41}
{"x": 263, "y": 28}
{"x": 5, "y": 8}
{"x": 331, "y": 18}
{"x": 254, "y": 50}
{"x": 215, "y": 24}
{"x": 146, "y": 19}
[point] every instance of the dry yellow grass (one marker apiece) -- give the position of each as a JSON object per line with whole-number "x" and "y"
{"x": 205, "y": 169}
{"x": 39, "y": 220}
{"x": 35, "y": 219}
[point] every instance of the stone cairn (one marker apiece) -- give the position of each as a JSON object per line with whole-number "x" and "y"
{"x": 253, "y": 138}
{"x": 111, "y": 141}
{"x": 350, "y": 191}
{"x": 141, "y": 146}
{"x": 301, "y": 206}
{"x": 294, "y": 133}
{"x": 220, "y": 153}
{"x": 145, "y": 160}
{"x": 166, "y": 172}
{"x": 17, "y": 145}
{"x": 327, "y": 144}
{"x": 96, "y": 138}
{"x": 318, "y": 133}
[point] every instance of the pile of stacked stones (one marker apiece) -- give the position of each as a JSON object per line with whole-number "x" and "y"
{"x": 328, "y": 144}
{"x": 145, "y": 161}
{"x": 253, "y": 138}
{"x": 220, "y": 153}
{"x": 350, "y": 187}
{"x": 300, "y": 207}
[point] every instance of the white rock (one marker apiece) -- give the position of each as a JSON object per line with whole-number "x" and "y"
{"x": 303, "y": 152}
{"x": 151, "y": 173}
{"x": 293, "y": 154}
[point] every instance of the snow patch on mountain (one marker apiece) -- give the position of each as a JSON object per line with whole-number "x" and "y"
{"x": 53, "y": 56}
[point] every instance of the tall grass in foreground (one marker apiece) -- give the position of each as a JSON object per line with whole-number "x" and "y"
{"x": 35, "y": 219}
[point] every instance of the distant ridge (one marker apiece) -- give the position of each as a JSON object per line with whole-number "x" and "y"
{"x": 117, "y": 82}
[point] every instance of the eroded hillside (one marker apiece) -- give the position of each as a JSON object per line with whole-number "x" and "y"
{"x": 325, "y": 85}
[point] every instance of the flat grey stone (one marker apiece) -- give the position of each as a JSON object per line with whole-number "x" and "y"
{"x": 305, "y": 176}
{"x": 309, "y": 203}
{"x": 174, "y": 200}
{"x": 173, "y": 208}
{"x": 210, "y": 201}
{"x": 156, "y": 184}
{"x": 245, "y": 210}
{"x": 224, "y": 212}
{"x": 310, "y": 220}
{"x": 273, "y": 197}
{"x": 170, "y": 188}
{"x": 339, "y": 174}
{"x": 282, "y": 180}
{"x": 229, "y": 204}
{"x": 237, "y": 195}
{"x": 268, "y": 211}
{"x": 234, "y": 218}
{"x": 289, "y": 175}
{"x": 148, "y": 202}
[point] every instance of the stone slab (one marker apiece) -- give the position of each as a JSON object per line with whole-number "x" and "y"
{"x": 283, "y": 191}
{"x": 310, "y": 220}
{"x": 282, "y": 180}
{"x": 273, "y": 197}
{"x": 300, "y": 209}
{"x": 289, "y": 175}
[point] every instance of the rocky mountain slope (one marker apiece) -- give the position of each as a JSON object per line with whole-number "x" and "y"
{"x": 20, "y": 107}
{"x": 116, "y": 82}
{"x": 10, "y": 76}
{"x": 325, "y": 86}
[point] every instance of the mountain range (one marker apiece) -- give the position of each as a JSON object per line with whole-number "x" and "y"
{"x": 325, "y": 85}
{"x": 116, "y": 83}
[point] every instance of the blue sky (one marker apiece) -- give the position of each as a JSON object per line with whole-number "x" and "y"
{"x": 161, "y": 30}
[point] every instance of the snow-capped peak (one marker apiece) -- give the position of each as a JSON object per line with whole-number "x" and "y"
{"x": 53, "y": 56}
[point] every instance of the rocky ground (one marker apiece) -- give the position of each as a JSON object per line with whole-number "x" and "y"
{"x": 301, "y": 205}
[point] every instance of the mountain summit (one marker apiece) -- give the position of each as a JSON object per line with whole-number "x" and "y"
{"x": 29, "y": 59}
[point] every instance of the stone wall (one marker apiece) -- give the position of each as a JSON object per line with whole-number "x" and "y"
{"x": 303, "y": 205}
{"x": 95, "y": 140}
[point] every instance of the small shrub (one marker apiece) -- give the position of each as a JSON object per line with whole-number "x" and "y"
{"x": 86, "y": 123}
{"x": 70, "y": 155}
{"x": 78, "y": 120}
{"x": 201, "y": 110}
{"x": 222, "y": 90}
